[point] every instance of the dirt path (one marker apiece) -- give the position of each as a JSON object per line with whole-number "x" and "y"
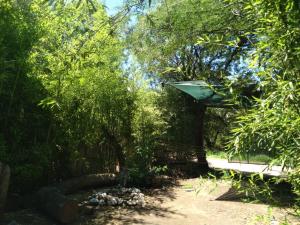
{"x": 178, "y": 205}
{"x": 182, "y": 206}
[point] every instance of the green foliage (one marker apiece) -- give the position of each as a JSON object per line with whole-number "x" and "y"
{"x": 217, "y": 124}
{"x": 253, "y": 157}
{"x": 65, "y": 100}
{"x": 255, "y": 188}
{"x": 269, "y": 218}
{"x": 23, "y": 124}
{"x": 271, "y": 127}
{"x": 167, "y": 40}
{"x": 178, "y": 113}
{"x": 78, "y": 61}
{"x": 148, "y": 127}
{"x": 216, "y": 154}
{"x": 272, "y": 124}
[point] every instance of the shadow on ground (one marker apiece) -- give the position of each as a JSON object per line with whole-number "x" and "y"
{"x": 133, "y": 215}
{"x": 126, "y": 216}
{"x": 104, "y": 215}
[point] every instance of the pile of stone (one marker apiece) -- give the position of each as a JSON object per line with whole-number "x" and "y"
{"x": 117, "y": 197}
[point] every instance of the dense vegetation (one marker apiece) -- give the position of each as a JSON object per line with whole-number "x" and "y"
{"x": 272, "y": 123}
{"x": 80, "y": 91}
{"x": 64, "y": 99}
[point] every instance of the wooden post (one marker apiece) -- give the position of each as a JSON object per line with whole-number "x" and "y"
{"x": 201, "y": 154}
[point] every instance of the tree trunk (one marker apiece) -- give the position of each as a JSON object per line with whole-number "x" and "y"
{"x": 123, "y": 175}
{"x": 199, "y": 135}
{"x": 4, "y": 184}
{"x": 57, "y": 205}
{"x": 117, "y": 147}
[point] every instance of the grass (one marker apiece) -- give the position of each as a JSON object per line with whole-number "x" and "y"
{"x": 251, "y": 158}
{"x": 216, "y": 154}
{"x": 257, "y": 159}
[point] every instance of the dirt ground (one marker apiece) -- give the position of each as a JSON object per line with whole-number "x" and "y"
{"x": 176, "y": 205}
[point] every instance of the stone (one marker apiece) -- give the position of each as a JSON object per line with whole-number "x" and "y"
{"x": 133, "y": 203}
{"x": 102, "y": 195}
{"x": 102, "y": 202}
{"x": 141, "y": 203}
{"x": 94, "y": 195}
{"x": 85, "y": 202}
{"x": 129, "y": 202}
{"x": 112, "y": 201}
{"x": 120, "y": 201}
{"x": 93, "y": 202}
{"x": 136, "y": 190}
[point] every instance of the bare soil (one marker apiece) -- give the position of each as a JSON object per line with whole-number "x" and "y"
{"x": 187, "y": 203}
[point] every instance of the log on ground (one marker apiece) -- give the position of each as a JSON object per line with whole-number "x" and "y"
{"x": 57, "y": 205}
{"x": 4, "y": 184}
{"x": 53, "y": 201}
{"x": 92, "y": 180}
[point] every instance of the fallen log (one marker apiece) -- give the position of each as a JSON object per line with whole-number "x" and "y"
{"x": 83, "y": 182}
{"x": 53, "y": 201}
{"x": 4, "y": 184}
{"x": 57, "y": 205}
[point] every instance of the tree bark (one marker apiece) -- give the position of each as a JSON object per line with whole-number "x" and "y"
{"x": 4, "y": 184}
{"x": 118, "y": 148}
{"x": 57, "y": 205}
{"x": 201, "y": 154}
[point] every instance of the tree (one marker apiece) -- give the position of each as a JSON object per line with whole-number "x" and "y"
{"x": 191, "y": 40}
{"x": 174, "y": 41}
{"x": 78, "y": 60}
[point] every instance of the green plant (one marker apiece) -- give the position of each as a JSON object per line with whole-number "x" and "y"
{"x": 269, "y": 219}
{"x": 217, "y": 154}
{"x": 272, "y": 123}
{"x": 147, "y": 130}
{"x": 63, "y": 96}
{"x": 209, "y": 183}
